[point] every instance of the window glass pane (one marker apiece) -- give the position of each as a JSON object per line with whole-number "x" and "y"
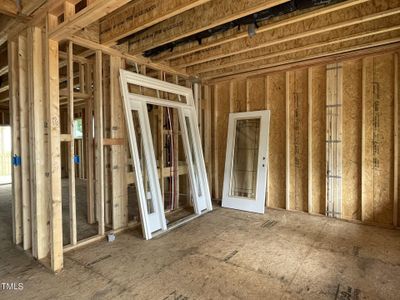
{"x": 172, "y": 163}
{"x": 78, "y": 130}
{"x": 151, "y": 92}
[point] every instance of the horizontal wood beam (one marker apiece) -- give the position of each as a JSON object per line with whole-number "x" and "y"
{"x": 76, "y": 58}
{"x": 76, "y": 95}
{"x": 295, "y": 31}
{"x": 139, "y": 60}
{"x": 341, "y": 47}
{"x": 4, "y": 88}
{"x": 65, "y": 138}
{"x": 138, "y": 15}
{"x": 235, "y": 33}
{"x": 198, "y": 19}
{"x": 94, "y": 11}
{"x": 9, "y": 8}
{"x": 4, "y": 95}
{"x": 114, "y": 141}
{"x": 3, "y": 58}
{"x": 322, "y": 59}
{"x": 3, "y": 70}
{"x": 306, "y": 43}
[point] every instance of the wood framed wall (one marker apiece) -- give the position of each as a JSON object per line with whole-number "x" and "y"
{"x": 90, "y": 89}
{"x": 298, "y": 102}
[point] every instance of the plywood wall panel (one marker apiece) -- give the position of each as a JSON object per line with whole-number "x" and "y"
{"x": 222, "y": 109}
{"x": 298, "y": 85}
{"x": 351, "y": 144}
{"x": 318, "y": 139}
{"x": 398, "y": 145}
{"x": 256, "y": 93}
{"x": 367, "y": 129}
{"x": 383, "y": 175}
{"x": 275, "y": 102}
{"x": 213, "y": 140}
{"x": 377, "y": 198}
{"x": 238, "y": 95}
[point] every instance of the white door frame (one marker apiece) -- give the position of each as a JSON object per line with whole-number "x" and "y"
{"x": 242, "y": 203}
{"x": 187, "y": 115}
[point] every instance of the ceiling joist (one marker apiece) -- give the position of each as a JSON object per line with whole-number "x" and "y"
{"x": 137, "y": 59}
{"x": 297, "y": 57}
{"x": 138, "y": 15}
{"x": 3, "y": 70}
{"x": 350, "y": 16}
{"x": 240, "y": 33}
{"x": 289, "y": 65}
{"x": 201, "y": 18}
{"x": 297, "y": 46}
{"x": 308, "y": 38}
{"x": 9, "y": 8}
{"x": 75, "y": 22}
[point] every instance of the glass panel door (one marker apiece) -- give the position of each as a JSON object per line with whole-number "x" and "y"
{"x": 196, "y": 167}
{"x": 143, "y": 143}
{"x": 246, "y": 161}
{"x": 151, "y": 210}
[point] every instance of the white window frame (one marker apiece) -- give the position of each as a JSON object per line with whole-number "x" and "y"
{"x": 155, "y": 223}
{"x": 252, "y": 205}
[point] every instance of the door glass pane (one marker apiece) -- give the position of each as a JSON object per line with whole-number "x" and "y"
{"x": 152, "y": 92}
{"x": 143, "y": 165}
{"x": 194, "y": 159}
{"x": 245, "y": 159}
{"x": 172, "y": 164}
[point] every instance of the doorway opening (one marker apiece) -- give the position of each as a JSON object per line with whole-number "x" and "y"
{"x": 5, "y": 155}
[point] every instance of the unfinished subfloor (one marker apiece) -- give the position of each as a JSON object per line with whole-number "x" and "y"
{"x": 225, "y": 254}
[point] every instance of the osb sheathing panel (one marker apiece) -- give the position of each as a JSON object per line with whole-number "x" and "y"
{"x": 298, "y": 105}
{"x": 222, "y": 109}
{"x": 238, "y": 95}
{"x": 277, "y": 139}
{"x": 214, "y": 133}
{"x": 318, "y": 139}
{"x": 378, "y": 161}
{"x": 351, "y": 139}
{"x": 398, "y": 101}
{"x": 256, "y": 93}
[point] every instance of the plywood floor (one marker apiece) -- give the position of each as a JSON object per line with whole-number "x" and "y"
{"x": 225, "y": 254}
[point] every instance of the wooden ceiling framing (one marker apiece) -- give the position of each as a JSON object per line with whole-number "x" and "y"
{"x": 204, "y": 17}
{"x": 9, "y": 7}
{"x": 139, "y": 15}
{"x": 319, "y": 32}
{"x": 339, "y": 28}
